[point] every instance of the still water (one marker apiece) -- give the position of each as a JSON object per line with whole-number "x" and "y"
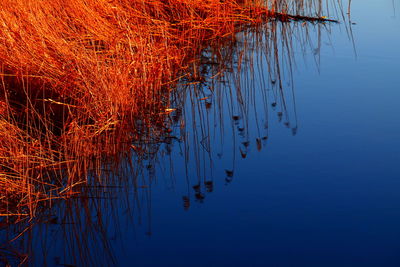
{"x": 303, "y": 175}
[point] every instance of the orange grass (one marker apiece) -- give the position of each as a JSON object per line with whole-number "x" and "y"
{"x": 81, "y": 80}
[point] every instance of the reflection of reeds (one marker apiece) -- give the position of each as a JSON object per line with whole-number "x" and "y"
{"x": 88, "y": 88}
{"x": 242, "y": 83}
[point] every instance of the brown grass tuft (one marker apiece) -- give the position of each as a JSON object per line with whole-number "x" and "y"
{"x": 81, "y": 81}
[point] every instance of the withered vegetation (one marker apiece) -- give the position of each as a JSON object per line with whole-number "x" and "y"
{"x": 81, "y": 81}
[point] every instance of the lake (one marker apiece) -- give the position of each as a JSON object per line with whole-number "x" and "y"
{"x": 287, "y": 157}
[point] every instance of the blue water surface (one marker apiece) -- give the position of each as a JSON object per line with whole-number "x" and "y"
{"x": 327, "y": 196}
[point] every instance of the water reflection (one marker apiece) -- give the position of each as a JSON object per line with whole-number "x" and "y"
{"x": 220, "y": 111}
{"x": 229, "y": 109}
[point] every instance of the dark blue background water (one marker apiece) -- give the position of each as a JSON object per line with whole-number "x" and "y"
{"x": 327, "y": 196}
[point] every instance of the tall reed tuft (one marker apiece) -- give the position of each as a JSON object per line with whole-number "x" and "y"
{"x": 82, "y": 80}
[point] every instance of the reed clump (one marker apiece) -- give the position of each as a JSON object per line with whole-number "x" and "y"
{"x": 81, "y": 81}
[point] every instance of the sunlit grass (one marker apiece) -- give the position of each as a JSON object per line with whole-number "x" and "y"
{"x": 88, "y": 87}
{"x": 82, "y": 81}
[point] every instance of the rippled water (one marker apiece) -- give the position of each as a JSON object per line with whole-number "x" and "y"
{"x": 303, "y": 175}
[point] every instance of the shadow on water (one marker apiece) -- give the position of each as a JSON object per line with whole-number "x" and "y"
{"x": 220, "y": 111}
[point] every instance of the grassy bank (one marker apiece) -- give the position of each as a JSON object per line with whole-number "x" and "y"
{"x": 82, "y": 80}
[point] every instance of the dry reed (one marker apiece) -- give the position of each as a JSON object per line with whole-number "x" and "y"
{"x": 82, "y": 81}
{"x": 87, "y": 85}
